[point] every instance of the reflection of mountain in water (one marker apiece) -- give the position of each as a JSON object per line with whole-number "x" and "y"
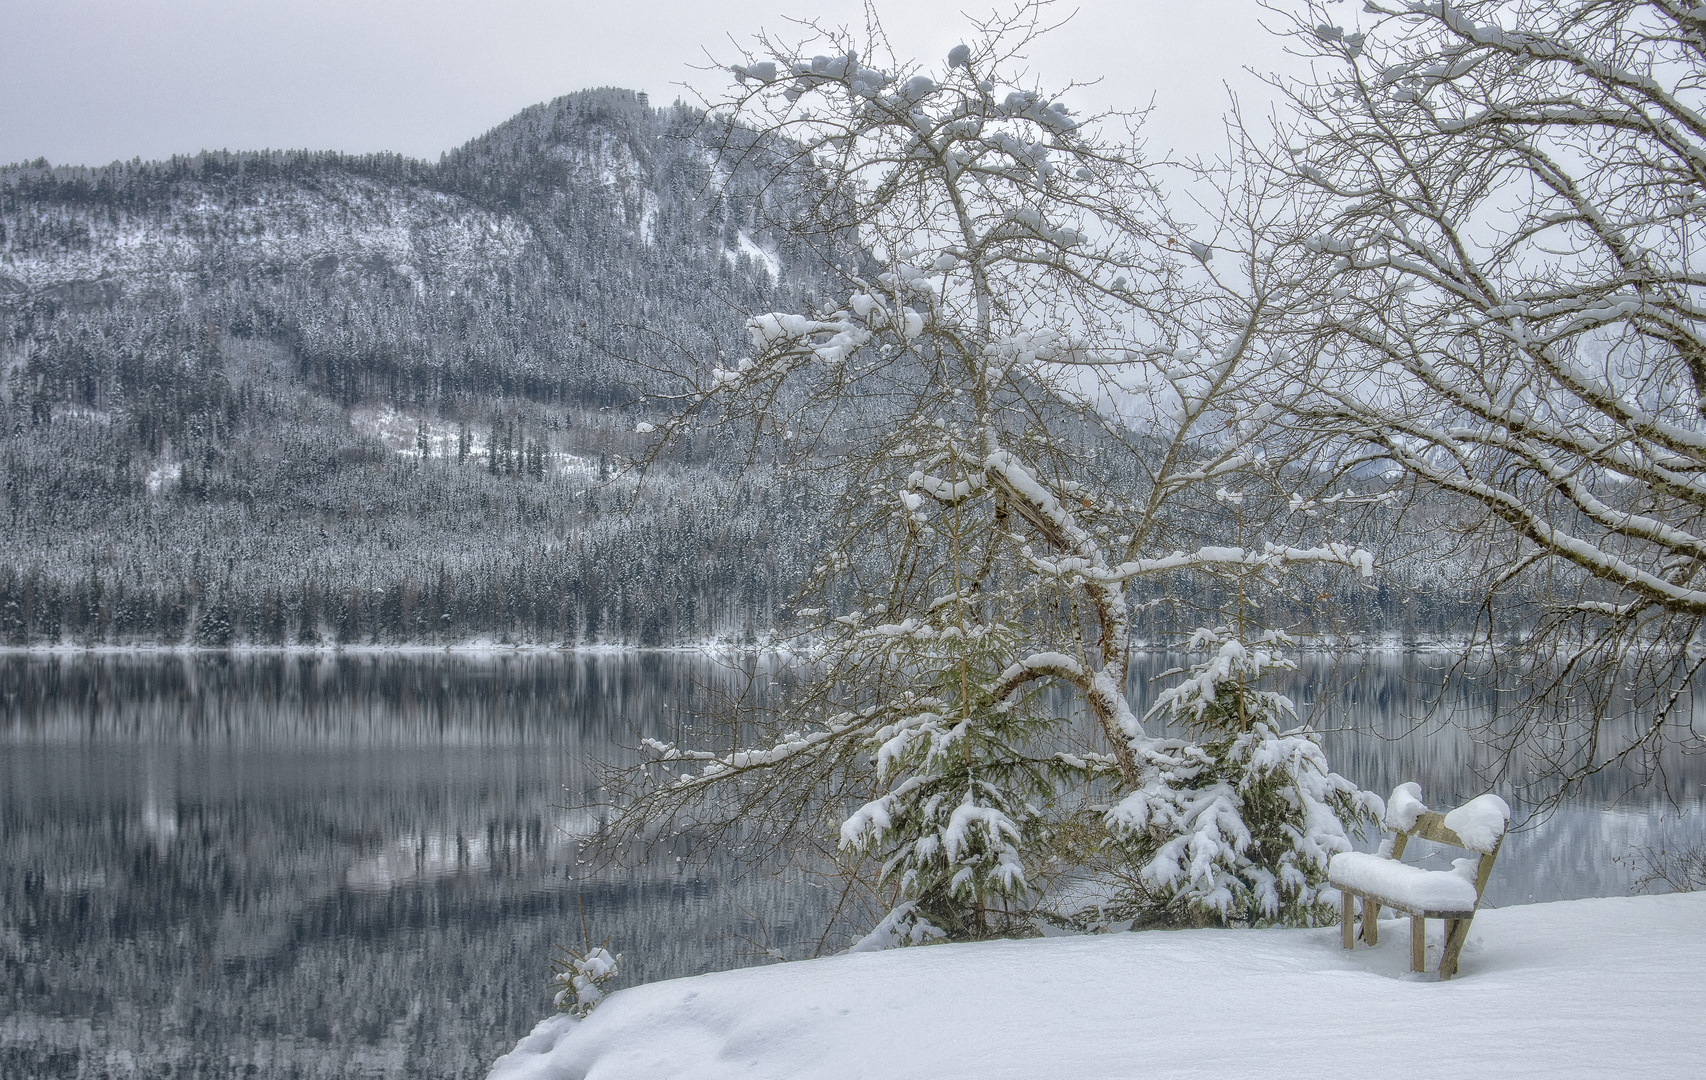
{"x": 331, "y": 869}
{"x": 355, "y": 867}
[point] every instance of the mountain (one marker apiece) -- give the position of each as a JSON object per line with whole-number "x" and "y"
{"x": 298, "y": 397}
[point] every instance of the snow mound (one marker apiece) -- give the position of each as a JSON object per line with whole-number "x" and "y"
{"x": 1402, "y": 883}
{"x": 1480, "y": 822}
{"x": 1579, "y": 989}
{"x": 535, "y": 1057}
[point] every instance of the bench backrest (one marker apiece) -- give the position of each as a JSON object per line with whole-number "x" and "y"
{"x": 1430, "y": 825}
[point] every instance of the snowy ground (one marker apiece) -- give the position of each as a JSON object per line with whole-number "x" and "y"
{"x": 1584, "y": 988}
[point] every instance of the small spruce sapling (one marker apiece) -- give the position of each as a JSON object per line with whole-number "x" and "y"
{"x": 964, "y": 798}
{"x": 1234, "y": 825}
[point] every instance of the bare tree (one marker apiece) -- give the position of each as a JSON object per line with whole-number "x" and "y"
{"x": 1500, "y": 205}
{"x": 1020, "y": 284}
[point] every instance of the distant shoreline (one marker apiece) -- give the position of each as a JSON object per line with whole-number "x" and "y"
{"x": 460, "y": 649}
{"x": 714, "y": 648}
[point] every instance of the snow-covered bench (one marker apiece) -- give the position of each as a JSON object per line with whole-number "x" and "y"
{"x": 1452, "y": 895}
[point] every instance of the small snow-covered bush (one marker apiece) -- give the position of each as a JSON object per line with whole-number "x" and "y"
{"x": 1235, "y": 824}
{"x": 581, "y": 978}
{"x": 1669, "y": 868}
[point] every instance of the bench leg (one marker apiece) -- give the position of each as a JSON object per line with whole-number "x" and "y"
{"x": 1418, "y": 943}
{"x": 1370, "y": 921}
{"x": 1456, "y": 933}
{"x": 1348, "y": 919}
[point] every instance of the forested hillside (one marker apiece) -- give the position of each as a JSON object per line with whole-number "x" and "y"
{"x": 302, "y": 398}
{"x": 290, "y": 397}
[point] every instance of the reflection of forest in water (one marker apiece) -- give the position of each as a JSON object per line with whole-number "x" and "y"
{"x": 354, "y": 866}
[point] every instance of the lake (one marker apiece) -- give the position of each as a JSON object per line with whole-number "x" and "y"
{"x": 360, "y": 865}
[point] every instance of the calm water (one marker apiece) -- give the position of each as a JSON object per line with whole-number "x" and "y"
{"x": 308, "y": 867}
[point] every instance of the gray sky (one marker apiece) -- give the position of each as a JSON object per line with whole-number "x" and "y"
{"x": 92, "y": 81}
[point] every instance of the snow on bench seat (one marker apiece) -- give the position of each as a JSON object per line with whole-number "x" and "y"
{"x": 1400, "y": 885}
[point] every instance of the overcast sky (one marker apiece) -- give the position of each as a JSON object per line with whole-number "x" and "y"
{"x": 92, "y": 81}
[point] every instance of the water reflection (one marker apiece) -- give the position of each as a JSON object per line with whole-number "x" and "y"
{"x": 314, "y": 867}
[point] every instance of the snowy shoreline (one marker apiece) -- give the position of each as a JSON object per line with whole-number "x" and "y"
{"x": 1579, "y": 988}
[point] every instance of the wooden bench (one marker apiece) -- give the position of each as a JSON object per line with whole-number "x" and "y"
{"x": 1384, "y": 880}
